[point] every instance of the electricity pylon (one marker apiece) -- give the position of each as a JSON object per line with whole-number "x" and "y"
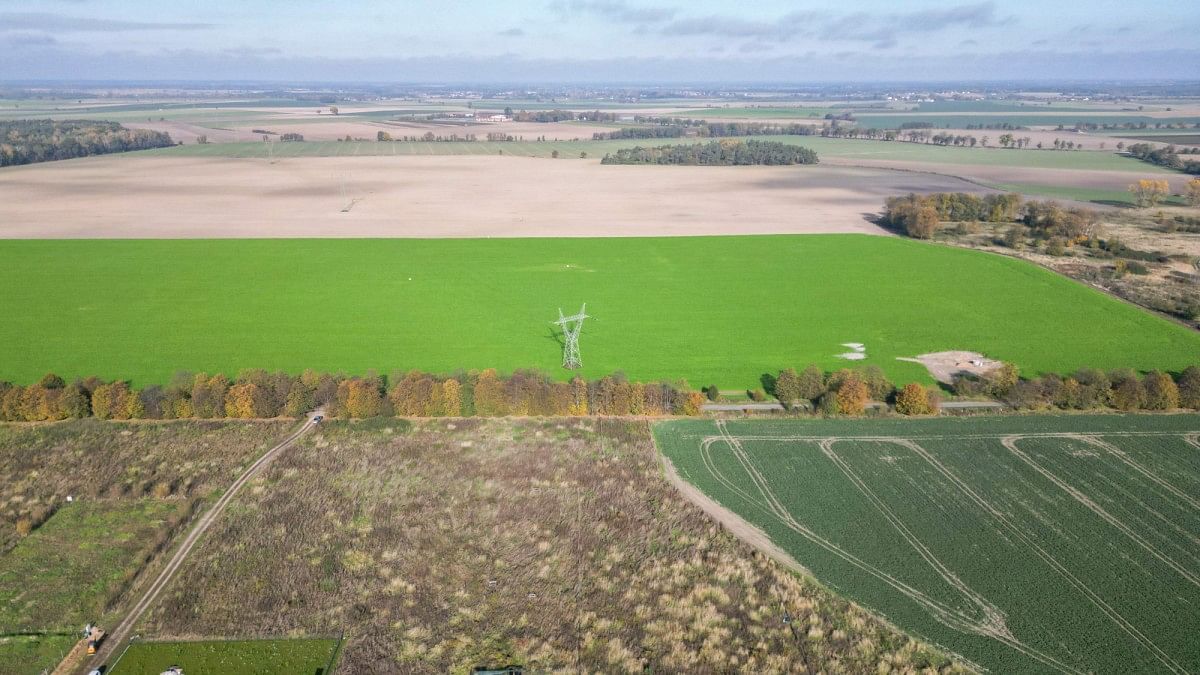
{"x": 571, "y": 326}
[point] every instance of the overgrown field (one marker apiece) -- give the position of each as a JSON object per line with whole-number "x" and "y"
{"x": 134, "y": 486}
{"x": 230, "y": 657}
{"x": 1028, "y": 544}
{"x": 714, "y": 310}
{"x": 552, "y": 544}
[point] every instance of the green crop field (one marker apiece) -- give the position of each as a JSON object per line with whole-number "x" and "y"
{"x": 67, "y": 571}
{"x": 719, "y": 310}
{"x": 825, "y": 147}
{"x": 1095, "y": 195}
{"x": 1024, "y": 544}
{"x": 1021, "y": 119}
{"x": 301, "y": 656}
{"x": 778, "y": 112}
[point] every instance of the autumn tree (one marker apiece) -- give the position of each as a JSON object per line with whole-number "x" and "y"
{"x": 579, "y": 397}
{"x": 787, "y": 387}
{"x": 1002, "y": 379}
{"x": 1161, "y": 392}
{"x": 1148, "y": 192}
{"x": 852, "y": 395}
{"x": 1191, "y": 190}
{"x": 1127, "y": 391}
{"x": 690, "y": 404}
{"x": 914, "y": 399}
{"x": 1189, "y": 388}
{"x": 489, "y": 395}
{"x": 452, "y": 397}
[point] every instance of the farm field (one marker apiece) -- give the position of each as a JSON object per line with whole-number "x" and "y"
{"x": 440, "y": 197}
{"x": 825, "y": 147}
{"x": 1024, "y": 544}
{"x": 552, "y": 544}
{"x": 1051, "y": 118}
{"x": 353, "y": 305}
{"x": 26, "y": 654}
{"x": 307, "y": 656}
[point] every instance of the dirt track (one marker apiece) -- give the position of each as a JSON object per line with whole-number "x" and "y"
{"x": 439, "y": 196}
{"x": 121, "y": 633}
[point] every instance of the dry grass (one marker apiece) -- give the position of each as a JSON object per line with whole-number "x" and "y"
{"x": 40, "y": 465}
{"x": 549, "y": 543}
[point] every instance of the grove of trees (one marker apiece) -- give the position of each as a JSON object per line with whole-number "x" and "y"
{"x": 31, "y": 141}
{"x": 716, "y": 153}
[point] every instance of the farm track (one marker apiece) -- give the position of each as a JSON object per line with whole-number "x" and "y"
{"x": 120, "y": 634}
{"x": 990, "y": 620}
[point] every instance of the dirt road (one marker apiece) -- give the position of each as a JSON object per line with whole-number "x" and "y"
{"x": 117, "y": 638}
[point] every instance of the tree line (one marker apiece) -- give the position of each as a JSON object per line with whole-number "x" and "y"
{"x": 716, "y": 153}
{"x": 918, "y": 216}
{"x": 256, "y": 393}
{"x": 1166, "y": 157}
{"x": 31, "y": 141}
{"x": 851, "y": 392}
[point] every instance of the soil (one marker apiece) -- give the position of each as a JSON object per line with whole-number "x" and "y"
{"x": 943, "y": 366}
{"x": 439, "y": 196}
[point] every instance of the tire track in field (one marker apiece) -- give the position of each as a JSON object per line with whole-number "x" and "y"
{"x": 991, "y": 626}
{"x": 1049, "y": 559}
{"x": 1010, "y": 444}
{"x": 1129, "y": 461}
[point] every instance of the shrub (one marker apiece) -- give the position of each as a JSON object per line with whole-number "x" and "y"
{"x": 1127, "y": 391}
{"x": 711, "y": 392}
{"x": 691, "y": 404}
{"x": 1002, "y": 380}
{"x": 828, "y": 405}
{"x": 24, "y": 527}
{"x": 757, "y": 395}
{"x": 161, "y": 490}
{"x": 811, "y": 384}
{"x": 787, "y": 386}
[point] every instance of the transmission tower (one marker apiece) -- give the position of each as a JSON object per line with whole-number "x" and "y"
{"x": 571, "y": 326}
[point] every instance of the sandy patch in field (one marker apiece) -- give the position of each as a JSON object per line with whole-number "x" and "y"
{"x": 438, "y": 196}
{"x": 943, "y": 366}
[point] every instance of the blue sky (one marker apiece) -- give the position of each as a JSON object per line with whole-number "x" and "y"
{"x": 598, "y": 40}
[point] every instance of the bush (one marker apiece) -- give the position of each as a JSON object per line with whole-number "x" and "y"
{"x": 757, "y": 395}
{"x": 24, "y": 527}
{"x": 811, "y": 384}
{"x": 852, "y": 395}
{"x": 711, "y": 392}
{"x": 1127, "y": 391}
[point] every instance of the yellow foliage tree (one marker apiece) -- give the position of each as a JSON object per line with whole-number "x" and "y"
{"x": 452, "y": 397}
{"x": 852, "y": 395}
{"x": 1192, "y": 192}
{"x": 913, "y": 399}
{"x": 579, "y": 398}
{"x": 1148, "y": 192}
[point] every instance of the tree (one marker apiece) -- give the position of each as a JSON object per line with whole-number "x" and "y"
{"x": 490, "y": 400}
{"x": 1148, "y": 192}
{"x": 579, "y": 397}
{"x": 1191, "y": 190}
{"x": 811, "y": 384}
{"x": 787, "y": 387}
{"x": 1189, "y": 388}
{"x": 691, "y": 404}
{"x": 333, "y": 109}
{"x": 1161, "y": 392}
{"x": 852, "y": 395}
{"x": 1001, "y": 380}
{"x": 1127, "y": 391}
{"x": 452, "y": 397}
{"x": 383, "y": 136}
{"x": 877, "y": 383}
{"x": 554, "y": 154}
{"x": 913, "y": 399}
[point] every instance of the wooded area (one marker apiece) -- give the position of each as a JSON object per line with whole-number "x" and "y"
{"x": 716, "y": 153}
{"x": 30, "y": 141}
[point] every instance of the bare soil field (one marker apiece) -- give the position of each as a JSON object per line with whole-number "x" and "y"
{"x": 442, "y": 196}
{"x": 991, "y": 174}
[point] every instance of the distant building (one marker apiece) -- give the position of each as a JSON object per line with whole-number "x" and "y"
{"x": 497, "y": 118}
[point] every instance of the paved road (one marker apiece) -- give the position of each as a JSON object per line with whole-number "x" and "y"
{"x": 120, "y": 634}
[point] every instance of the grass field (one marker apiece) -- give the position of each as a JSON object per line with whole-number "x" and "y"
{"x": 1027, "y": 544}
{"x": 1049, "y": 118}
{"x": 28, "y": 654}
{"x": 720, "y": 310}
{"x": 67, "y": 571}
{"x": 1098, "y": 196}
{"x": 825, "y": 147}
{"x": 230, "y": 657}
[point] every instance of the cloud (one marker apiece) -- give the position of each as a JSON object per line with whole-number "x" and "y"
{"x": 251, "y": 52}
{"x": 613, "y": 10}
{"x": 511, "y": 32}
{"x": 58, "y": 23}
{"x": 883, "y": 30}
{"x": 27, "y": 39}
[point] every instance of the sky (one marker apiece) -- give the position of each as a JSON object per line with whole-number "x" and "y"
{"x": 603, "y": 41}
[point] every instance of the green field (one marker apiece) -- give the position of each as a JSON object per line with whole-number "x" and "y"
{"x": 302, "y": 656}
{"x": 1094, "y": 195}
{"x": 1024, "y": 544}
{"x": 719, "y": 310}
{"x": 825, "y": 147}
{"x": 1028, "y": 119}
{"x": 27, "y": 654}
{"x": 68, "y": 570}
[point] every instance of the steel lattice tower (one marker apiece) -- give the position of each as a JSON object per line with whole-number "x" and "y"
{"x": 571, "y": 326}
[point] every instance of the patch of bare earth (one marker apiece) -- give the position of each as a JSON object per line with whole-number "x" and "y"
{"x": 944, "y": 366}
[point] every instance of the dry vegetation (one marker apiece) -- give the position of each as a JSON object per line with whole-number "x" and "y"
{"x": 40, "y": 465}
{"x": 550, "y": 543}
